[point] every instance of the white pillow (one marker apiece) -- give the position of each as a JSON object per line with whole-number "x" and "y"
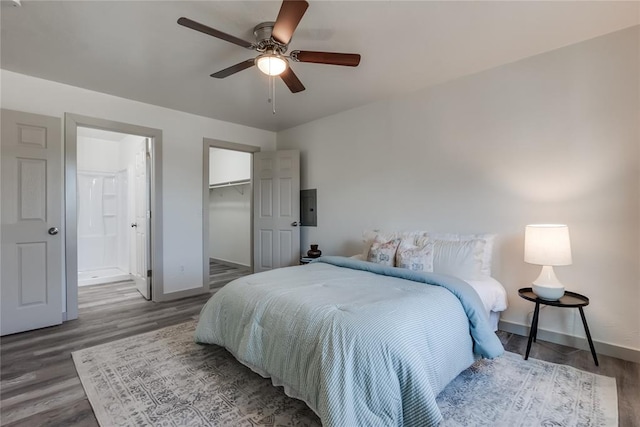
{"x": 462, "y": 258}
{"x": 416, "y": 257}
{"x": 383, "y": 252}
{"x": 369, "y": 236}
{"x": 487, "y": 252}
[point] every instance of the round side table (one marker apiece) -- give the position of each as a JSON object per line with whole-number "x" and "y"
{"x": 568, "y": 300}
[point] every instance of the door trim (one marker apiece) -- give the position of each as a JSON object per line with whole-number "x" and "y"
{"x": 71, "y": 124}
{"x": 214, "y": 143}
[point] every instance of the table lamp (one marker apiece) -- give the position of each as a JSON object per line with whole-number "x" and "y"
{"x": 547, "y": 245}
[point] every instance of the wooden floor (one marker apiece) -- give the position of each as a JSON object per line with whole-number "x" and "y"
{"x": 40, "y": 387}
{"x": 221, "y": 273}
{"x": 39, "y": 384}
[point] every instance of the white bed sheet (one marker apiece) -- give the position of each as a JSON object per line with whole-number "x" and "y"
{"x": 492, "y": 293}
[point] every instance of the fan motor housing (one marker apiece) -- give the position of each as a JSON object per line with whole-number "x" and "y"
{"x": 264, "y": 42}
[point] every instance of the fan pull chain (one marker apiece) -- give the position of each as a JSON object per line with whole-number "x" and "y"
{"x": 273, "y": 95}
{"x": 271, "y": 99}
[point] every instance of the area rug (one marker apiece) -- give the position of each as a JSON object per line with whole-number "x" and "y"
{"x": 511, "y": 391}
{"x": 163, "y": 378}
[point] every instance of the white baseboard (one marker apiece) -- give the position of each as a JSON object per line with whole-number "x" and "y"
{"x": 181, "y": 294}
{"x": 623, "y": 353}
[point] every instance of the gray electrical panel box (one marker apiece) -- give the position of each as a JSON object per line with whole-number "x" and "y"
{"x": 308, "y": 208}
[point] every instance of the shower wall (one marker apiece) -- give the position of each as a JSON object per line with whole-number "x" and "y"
{"x": 97, "y": 219}
{"x": 104, "y": 215}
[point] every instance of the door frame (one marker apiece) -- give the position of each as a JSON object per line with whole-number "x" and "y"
{"x": 208, "y": 143}
{"x": 71, "y": 124}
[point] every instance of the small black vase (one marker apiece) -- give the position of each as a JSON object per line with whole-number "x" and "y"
{"x": 314, "y": 252}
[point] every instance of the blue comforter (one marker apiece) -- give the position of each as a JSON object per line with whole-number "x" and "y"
{"x": 361, "y": 344}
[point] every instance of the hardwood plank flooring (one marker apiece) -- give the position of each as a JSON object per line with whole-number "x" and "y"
{"x": 39, "y": 385}
{"x": 220, "y": 273}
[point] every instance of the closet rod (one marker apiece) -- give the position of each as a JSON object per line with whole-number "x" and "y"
{"x": 231, "y": 183}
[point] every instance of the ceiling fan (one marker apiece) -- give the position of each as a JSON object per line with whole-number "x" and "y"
{"x": 272, "y": 42}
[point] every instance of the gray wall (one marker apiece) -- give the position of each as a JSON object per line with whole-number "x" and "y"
{"x": 551, "y": 138}
{"x": 182, "y": 135}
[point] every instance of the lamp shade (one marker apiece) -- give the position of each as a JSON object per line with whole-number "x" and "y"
{"x": 271, "y": 64}
{"x": 547, "y": 244}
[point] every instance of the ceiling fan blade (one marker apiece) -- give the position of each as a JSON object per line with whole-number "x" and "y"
{"x": 291, "y": 80}
{"x": 186, "y": 22}
{"x": 234, "y": 69}
{"x": 331, "y": 58}
{"x": 289, "y": 17}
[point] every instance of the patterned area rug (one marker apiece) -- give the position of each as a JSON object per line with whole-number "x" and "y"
{"x": 164, "y": 378}
{"x": 511, "y": 391}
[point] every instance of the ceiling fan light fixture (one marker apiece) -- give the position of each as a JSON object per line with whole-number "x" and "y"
{"x": 271, "y": 64}
{"x": 272, "y": 42}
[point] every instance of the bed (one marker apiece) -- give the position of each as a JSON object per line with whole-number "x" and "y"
{"x": 360, "y": 343}
{"x": 491, "y": 292}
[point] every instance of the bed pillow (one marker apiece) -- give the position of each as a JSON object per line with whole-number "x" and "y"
{"x": 487, "y": 251}
{"x": 369, "y": 236}
{"x": 383, "y": 252}
{"x": 459, "y": 258}
{"x": 416, "y": 255}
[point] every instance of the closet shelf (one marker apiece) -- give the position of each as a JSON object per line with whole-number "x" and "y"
{"x": 230, "y": 184}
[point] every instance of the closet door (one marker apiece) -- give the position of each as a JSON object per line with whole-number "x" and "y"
{"x": 276, "y": 205}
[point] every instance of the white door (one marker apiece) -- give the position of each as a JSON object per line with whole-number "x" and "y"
{"x": 141, "y": 224}
{"x": 31, "y": 231}
{"x": 276, "y": 204}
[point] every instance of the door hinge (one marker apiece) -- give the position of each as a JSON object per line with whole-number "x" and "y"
{"x": 148, "y": 273}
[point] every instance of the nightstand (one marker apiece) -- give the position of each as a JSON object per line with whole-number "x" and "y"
{"x": 568, "y": 300}
{"x": 304, "y": 260}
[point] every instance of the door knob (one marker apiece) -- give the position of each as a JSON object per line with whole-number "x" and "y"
{"x": 53, "y": 231}
{"x": 295, "y": 223}
{"x": 133, "y": 224}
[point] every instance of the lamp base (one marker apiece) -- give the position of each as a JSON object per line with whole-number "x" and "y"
{"x": 547, "y": 286}
{"x": 547, "y": 293}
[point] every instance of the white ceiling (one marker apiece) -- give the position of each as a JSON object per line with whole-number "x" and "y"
{"x": 136, "y": 50}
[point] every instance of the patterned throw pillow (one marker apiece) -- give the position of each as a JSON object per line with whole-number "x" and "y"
{"x": 416, "y": 257}
{"x": 370, "y": 236}
{"x": 383, "y": 252}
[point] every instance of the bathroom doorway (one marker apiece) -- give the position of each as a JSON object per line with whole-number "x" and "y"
{"x": 113, "y": 199}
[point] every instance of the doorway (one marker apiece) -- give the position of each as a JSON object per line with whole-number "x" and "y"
{"x": 227, "y": 212}
{"x": 113, "y": 194}
{"x": 112, "y": 203}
